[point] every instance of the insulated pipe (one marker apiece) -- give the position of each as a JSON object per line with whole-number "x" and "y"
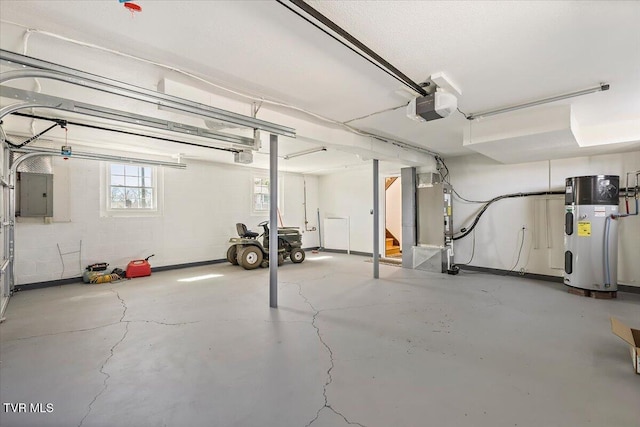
{"x": 376, "y": 222}
{"x": 273, "y": 221}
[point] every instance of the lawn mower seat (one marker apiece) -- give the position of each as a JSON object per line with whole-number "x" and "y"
{"x": 243, "y": 232}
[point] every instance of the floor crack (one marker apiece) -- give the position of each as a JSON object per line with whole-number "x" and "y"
{"x": 161, "y": 323}
{"x": 329, "y": 375}
{"x": 111, "y": 352}
{"x": 61, "y": 332}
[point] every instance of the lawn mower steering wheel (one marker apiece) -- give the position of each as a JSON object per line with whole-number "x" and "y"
{"x": 263, "y": 223}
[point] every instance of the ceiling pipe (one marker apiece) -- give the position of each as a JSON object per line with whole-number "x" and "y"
{"x": 600, "y": 88}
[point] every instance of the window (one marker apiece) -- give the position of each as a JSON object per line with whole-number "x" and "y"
{"x": 260, "y": 194}
{"x": 132, "y": 188}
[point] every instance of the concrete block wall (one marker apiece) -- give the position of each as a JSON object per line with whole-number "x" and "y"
{"x": 202, "y": 204}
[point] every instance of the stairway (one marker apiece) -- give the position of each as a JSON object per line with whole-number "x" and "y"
{"x": 392, "y": 246}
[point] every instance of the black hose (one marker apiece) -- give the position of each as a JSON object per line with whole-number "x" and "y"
{"x": 465, "y": 231}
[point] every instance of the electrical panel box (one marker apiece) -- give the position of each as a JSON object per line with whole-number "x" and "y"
{"x": 35, "y": 195}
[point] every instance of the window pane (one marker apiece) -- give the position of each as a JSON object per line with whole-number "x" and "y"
{"x": 117, "y": 180}
{"x": 132, "y": 170}
{"x": 131, "y": 181}
{"x": 117, "y": 169}
{"x": 117, "y": 193}
{"x": 146, "y": 199}
{"x": 133, "y": 194}
{"x": 117, "y": 198}
{"x": 131, "y": 187}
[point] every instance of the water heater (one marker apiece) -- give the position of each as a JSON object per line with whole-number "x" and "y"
{"x": 590, "y": 240}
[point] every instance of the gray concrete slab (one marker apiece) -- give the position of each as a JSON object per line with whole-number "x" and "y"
{"x": 411, "y": 349}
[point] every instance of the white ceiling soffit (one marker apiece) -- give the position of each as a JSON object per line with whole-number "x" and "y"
{"x": 498, "y": 53}
{"x": 540, "y": 133}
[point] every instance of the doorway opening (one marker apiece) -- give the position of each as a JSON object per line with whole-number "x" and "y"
{"x": 393, "y": 217}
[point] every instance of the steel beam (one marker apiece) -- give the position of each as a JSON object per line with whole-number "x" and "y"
{"x": 273, "y": 221}
{"x": 376, "y": 221}
{"x": 409, "y": 232}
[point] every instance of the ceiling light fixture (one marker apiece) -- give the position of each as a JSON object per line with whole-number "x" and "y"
{"x": 600, "y": 88}
{"x": 304, "y": 153}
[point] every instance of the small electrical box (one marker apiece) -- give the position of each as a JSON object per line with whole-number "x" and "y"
{"x": 243, "y": 157}
{"x": 35, "y": 195}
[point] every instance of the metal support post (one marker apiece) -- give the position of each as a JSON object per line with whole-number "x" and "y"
{"x": 376, "y": 222}
{"x": 273, "y": 221}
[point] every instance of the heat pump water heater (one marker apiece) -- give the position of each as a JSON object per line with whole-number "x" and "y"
{"x": 590, "y": 240}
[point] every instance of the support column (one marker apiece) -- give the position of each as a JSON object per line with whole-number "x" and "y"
{"x": 409, "y": 227}
{"x": 376, "y": 221}
{"x": 273, "y": 221}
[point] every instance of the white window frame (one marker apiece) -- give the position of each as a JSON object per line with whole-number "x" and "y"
{"x": 157, "y": 193}
{"x": 263, "y": 212}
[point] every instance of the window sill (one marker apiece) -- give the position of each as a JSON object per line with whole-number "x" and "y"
{"x": 130, "y": 214}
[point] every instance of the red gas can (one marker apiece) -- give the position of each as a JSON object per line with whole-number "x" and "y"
{"x": 139, "y": 268}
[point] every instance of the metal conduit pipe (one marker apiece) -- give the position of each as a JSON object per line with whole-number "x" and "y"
{"x": 94, "y": 156}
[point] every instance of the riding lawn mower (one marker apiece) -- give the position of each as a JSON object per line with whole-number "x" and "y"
{"x": 247, "y": 251}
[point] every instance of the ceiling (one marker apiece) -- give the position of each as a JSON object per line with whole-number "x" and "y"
{"x": 498, "y": 53}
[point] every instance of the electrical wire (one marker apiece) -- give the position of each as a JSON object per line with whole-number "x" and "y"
{"x": 465, "y": 231}
{"x": 61, "y": 123}
{"x": 124, "y": 132}
{"x": 473, "y": 251}
{"x": 519, "y": 252}
{"x": 607, "y": 226}
{"x": 376, "y": 113}
{"x": 352, "y": 129}
{"x": 442, "y": 164}
{"x": 463, "y": 113}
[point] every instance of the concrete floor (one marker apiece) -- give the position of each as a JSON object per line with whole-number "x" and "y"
{"x": 410, "y": 349}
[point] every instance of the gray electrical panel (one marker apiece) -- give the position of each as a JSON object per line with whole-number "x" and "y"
{"x": 35, "y": 195}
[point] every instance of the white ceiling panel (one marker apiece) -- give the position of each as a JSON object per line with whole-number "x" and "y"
{"x": 499, "y": 53}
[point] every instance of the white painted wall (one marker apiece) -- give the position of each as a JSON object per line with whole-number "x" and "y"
{"x": 201, "y": 207}
{"x": 393, "y": 209}
{"x": 498, "y": 233}
{"x": 349, "y": 193}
